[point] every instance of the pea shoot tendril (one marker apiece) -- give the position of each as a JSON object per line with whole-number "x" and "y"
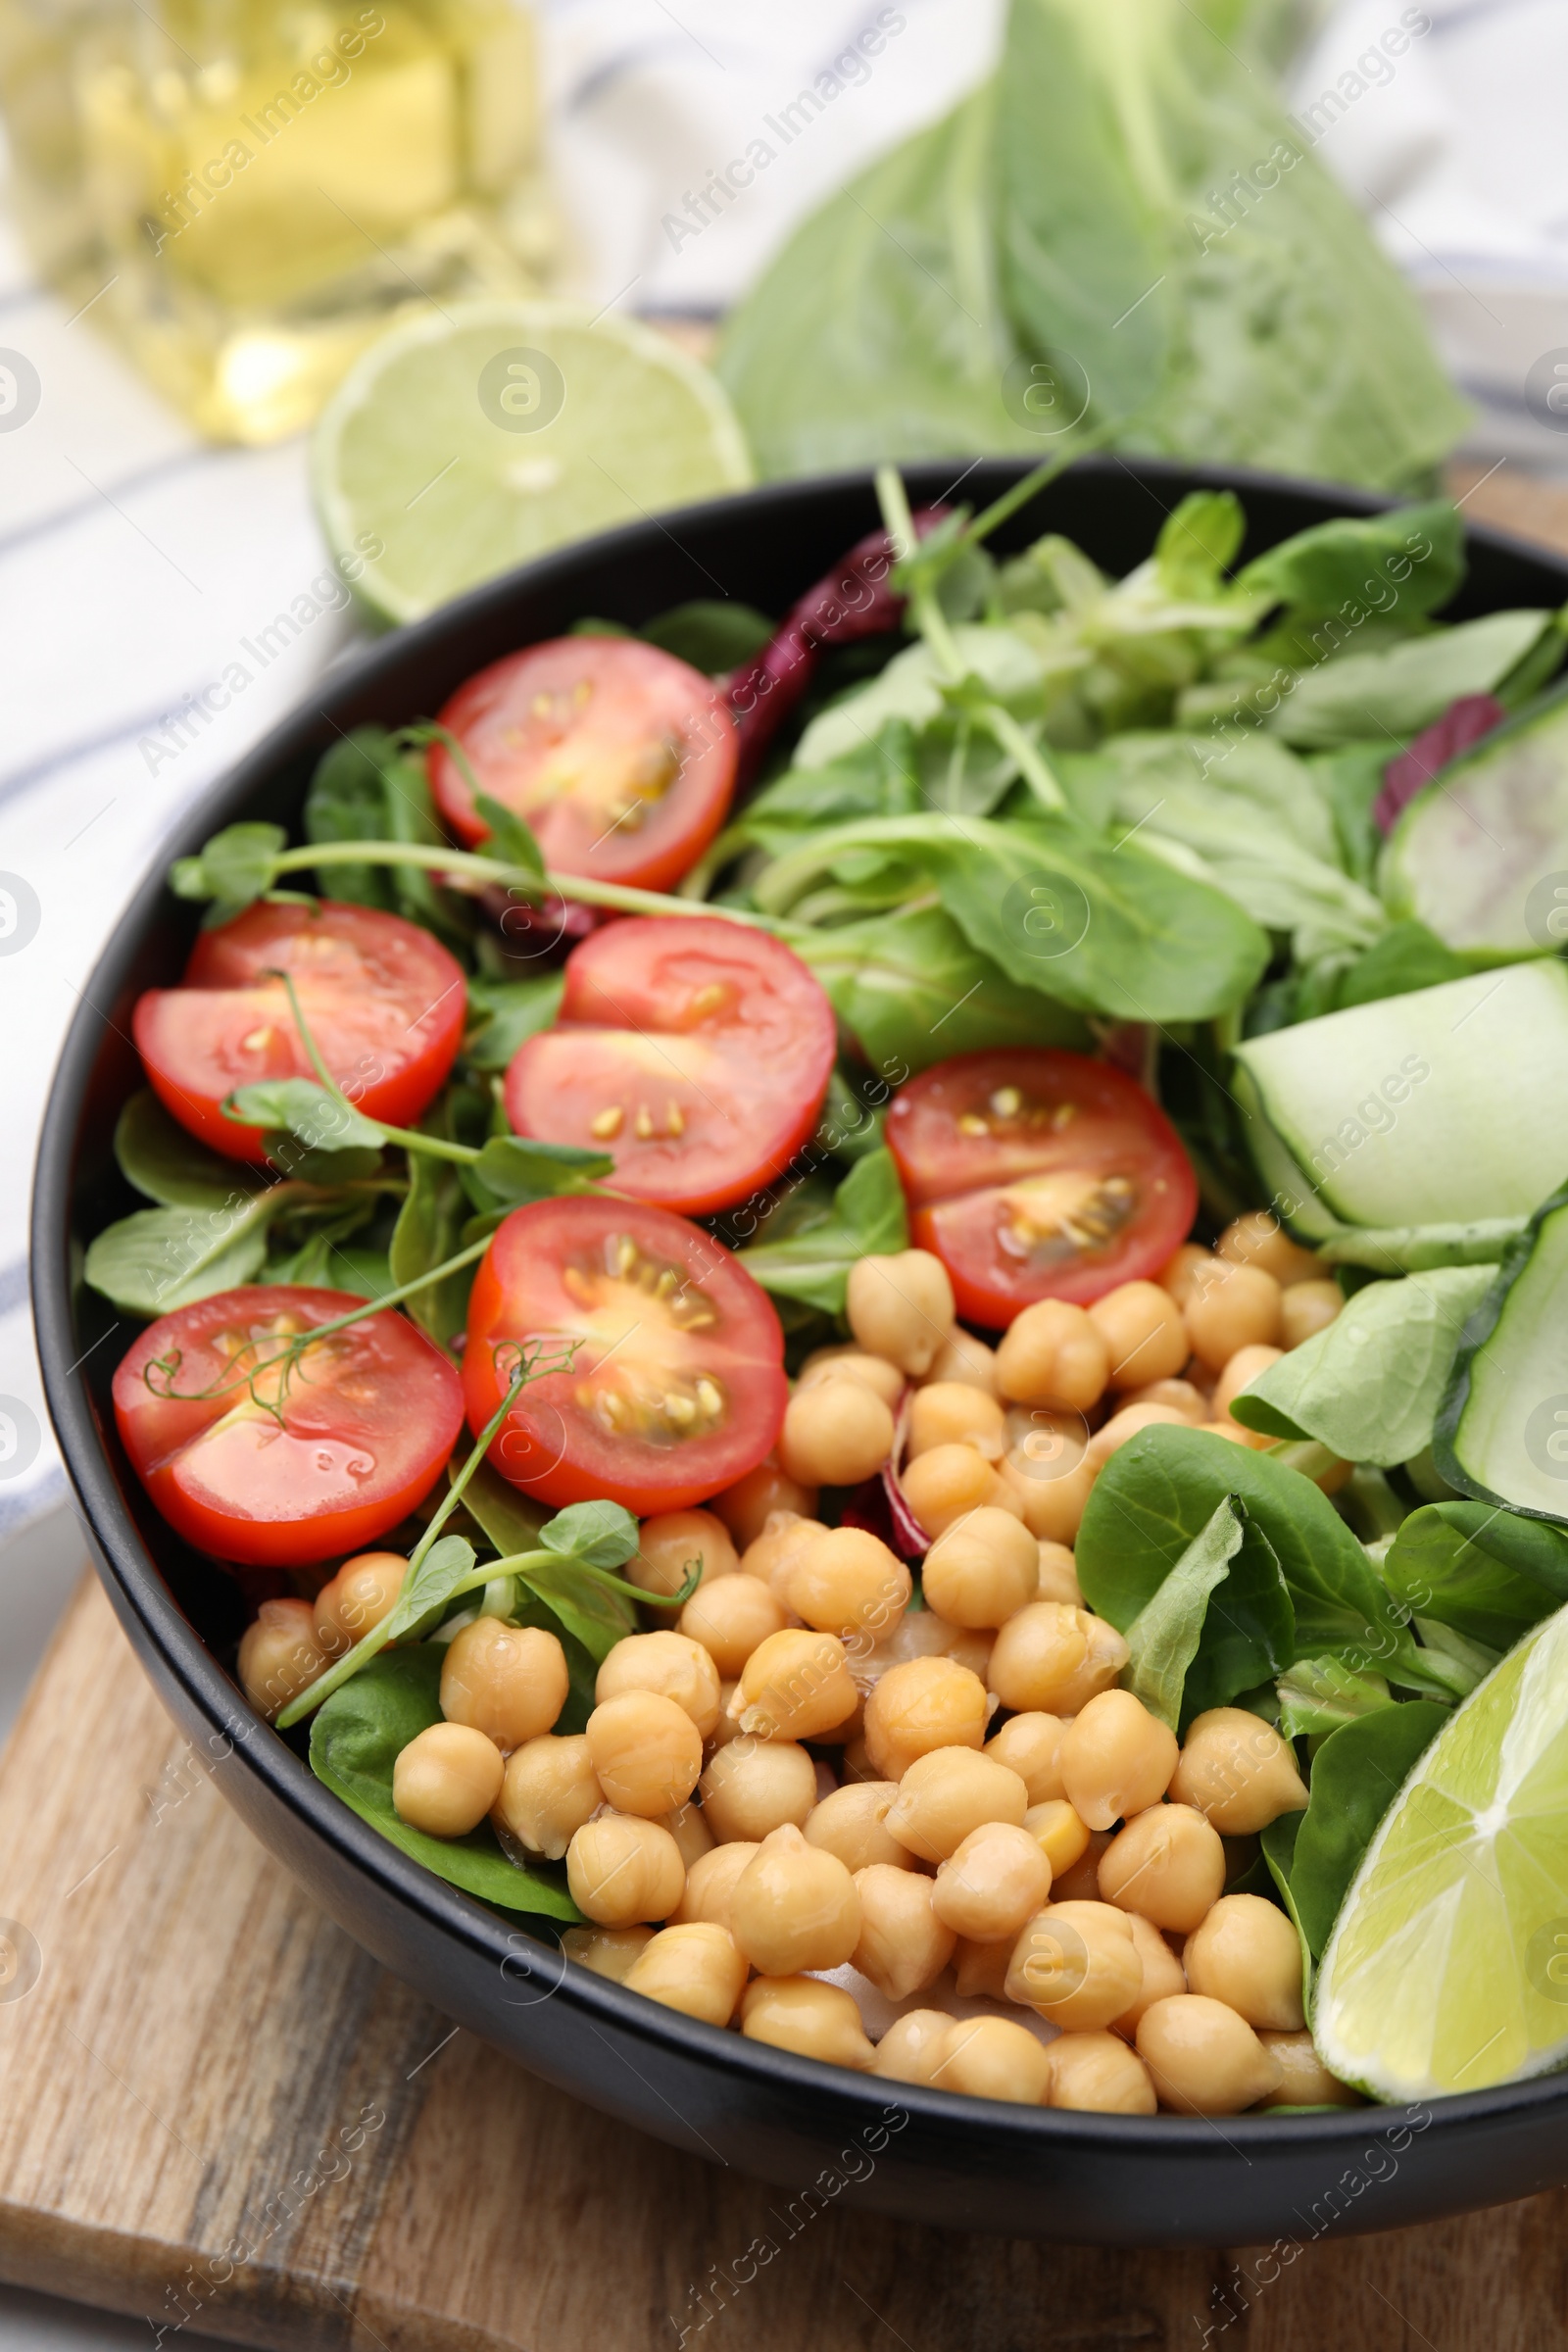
{"x": 251, "y": 1367}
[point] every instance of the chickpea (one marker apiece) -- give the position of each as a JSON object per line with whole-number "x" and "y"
{"x": 363, "y": 1591}
{"x": 794, "y": 1685}
{"x": 1056, "y": 1658}
{"x": 1056, "y": 1830}
{"x": 954, "y": 1412}
{"x": 1239, "y": 1307}
{"x": 1054, "y": 1355}
{"x": 446, "y": 1780}
{"x": 1114, "y": 1432}
{"x": 1203, "y": 2058}
{"x": 982, "y": 1570}
{"x": 1246, "y": 1365}
{"x": 910, "y": 2050}
{"x": 963, "y": 1357}
{"x": 1077, "y": 1965}
{"x": 730, "y": 1618}
{"x": 549, "y": 1789}
{"x": 874, "y": 1372}
{"x": 1307, "y": 1308}
{"x": 669, "y": 1542}
{"x": 1305, "y": 2081}
{"x": 1188, "y": 1398}
{"x": 280, "y": 1654}
{"x": 1237, "y": 1771}
{"x": 1235, "y": 1433}
{"x": 998, "y": 1877}
{"x": 1031, "y": 1746}
{"x": 904, "y": 1946}
{"x": 1247, "y": 1954}
{"x": 1163, "y": 1974}
{"x": 949, "y": 1481}
{"x": 771, "y": 1557}
{"x": 1141, "y": 1326}
{"x": 1056, "y": 1577}
{"x": 923, "y": 1704}
{"x": 690, "y": 1832}
{"x": 673, "y": 1665}
{"x": 811, "y": 2018}
{"x": 607, "y": 1951}
{"x": 726, "y": 1729}
{"x": 753, "y": 1787}
{"x": 1186, "y": 1272}
{"x": 694, "y": 1968}
{"x": 944, "y": 1794}
{"x": 1117, "y": 1758}
{"x": 839, "y": 1735}
{"x": 622, "y": 1868}
{"x": 1080, "y": 1882}
{"x": 900, "y": 1307}
{"x": 710, "y": 1882}
{"x": 746, "y": 1507}
{"x": 1097, "y": 2073}
{"x": 992, "y": 2058}
{"x": 1259, "y": 1240}
{"x": 980, "y": 1970}
{"x": 848, "y": 1581}
{"x": 795, "y": 1908}
{"x": 1049, "y": 1475}
{"x": 647, "y": 1753}
{"x": 853, "y": 1822}
{"x": 835, "y": 1434}
{"x": 924, "y": 1634}
{"x": 1167, "y": 1863}
{"x": 507, "y": 1680}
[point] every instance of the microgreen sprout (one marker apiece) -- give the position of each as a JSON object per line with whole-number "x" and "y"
{"x": 240, "y": 1374}
{"x": 584, "y": 1537}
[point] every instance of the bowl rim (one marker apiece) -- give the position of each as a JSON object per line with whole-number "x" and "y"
{"x": 138, "y": 1585}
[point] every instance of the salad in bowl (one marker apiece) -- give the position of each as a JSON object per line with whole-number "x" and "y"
{"x": 862, "y": 1304}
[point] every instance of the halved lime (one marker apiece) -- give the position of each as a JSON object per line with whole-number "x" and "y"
{"x": 1447, "y": 1968}
{"x": 467, "y": 441}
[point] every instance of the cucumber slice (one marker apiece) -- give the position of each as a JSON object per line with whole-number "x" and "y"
{"x": 1502, "y": 1432}
{"x": 1439, "y": 1107}
{"x": 1478, "y": 855}
{"x": 1419, "y": 1248}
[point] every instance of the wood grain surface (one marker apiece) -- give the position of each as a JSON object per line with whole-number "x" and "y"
{"x": 1511, "y": 499}
{"x": 216, "y": 2113}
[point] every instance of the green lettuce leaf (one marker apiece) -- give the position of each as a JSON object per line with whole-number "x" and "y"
{"x": 1369, "y": 1386}
{"x": 356, "y": 1738}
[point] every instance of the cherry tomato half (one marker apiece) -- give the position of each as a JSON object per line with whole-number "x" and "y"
{"x": 677, "y": 1387}
{"x": 1039, "y": 1174}
{"x": 694, "y": 1050}
{"x": 620, "y": 757}
{"x": 382, "y": 999}
{"x": 369, "y": 1416}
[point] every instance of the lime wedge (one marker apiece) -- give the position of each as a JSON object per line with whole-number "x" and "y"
{"x": 1447, "y": 1968}
{"x": 464, "y": 442}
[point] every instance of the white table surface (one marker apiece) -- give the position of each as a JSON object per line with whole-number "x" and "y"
{"x": 132, "y": 559}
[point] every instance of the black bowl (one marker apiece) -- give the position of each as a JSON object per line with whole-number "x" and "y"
{"x": 959, "y": 2162}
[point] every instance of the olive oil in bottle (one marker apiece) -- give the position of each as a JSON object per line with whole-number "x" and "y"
{"x": 246, "y": 193}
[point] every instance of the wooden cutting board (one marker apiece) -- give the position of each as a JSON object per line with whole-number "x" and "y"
{"x": 218, "y": 2113}
{"x": 215, "y": 2110}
